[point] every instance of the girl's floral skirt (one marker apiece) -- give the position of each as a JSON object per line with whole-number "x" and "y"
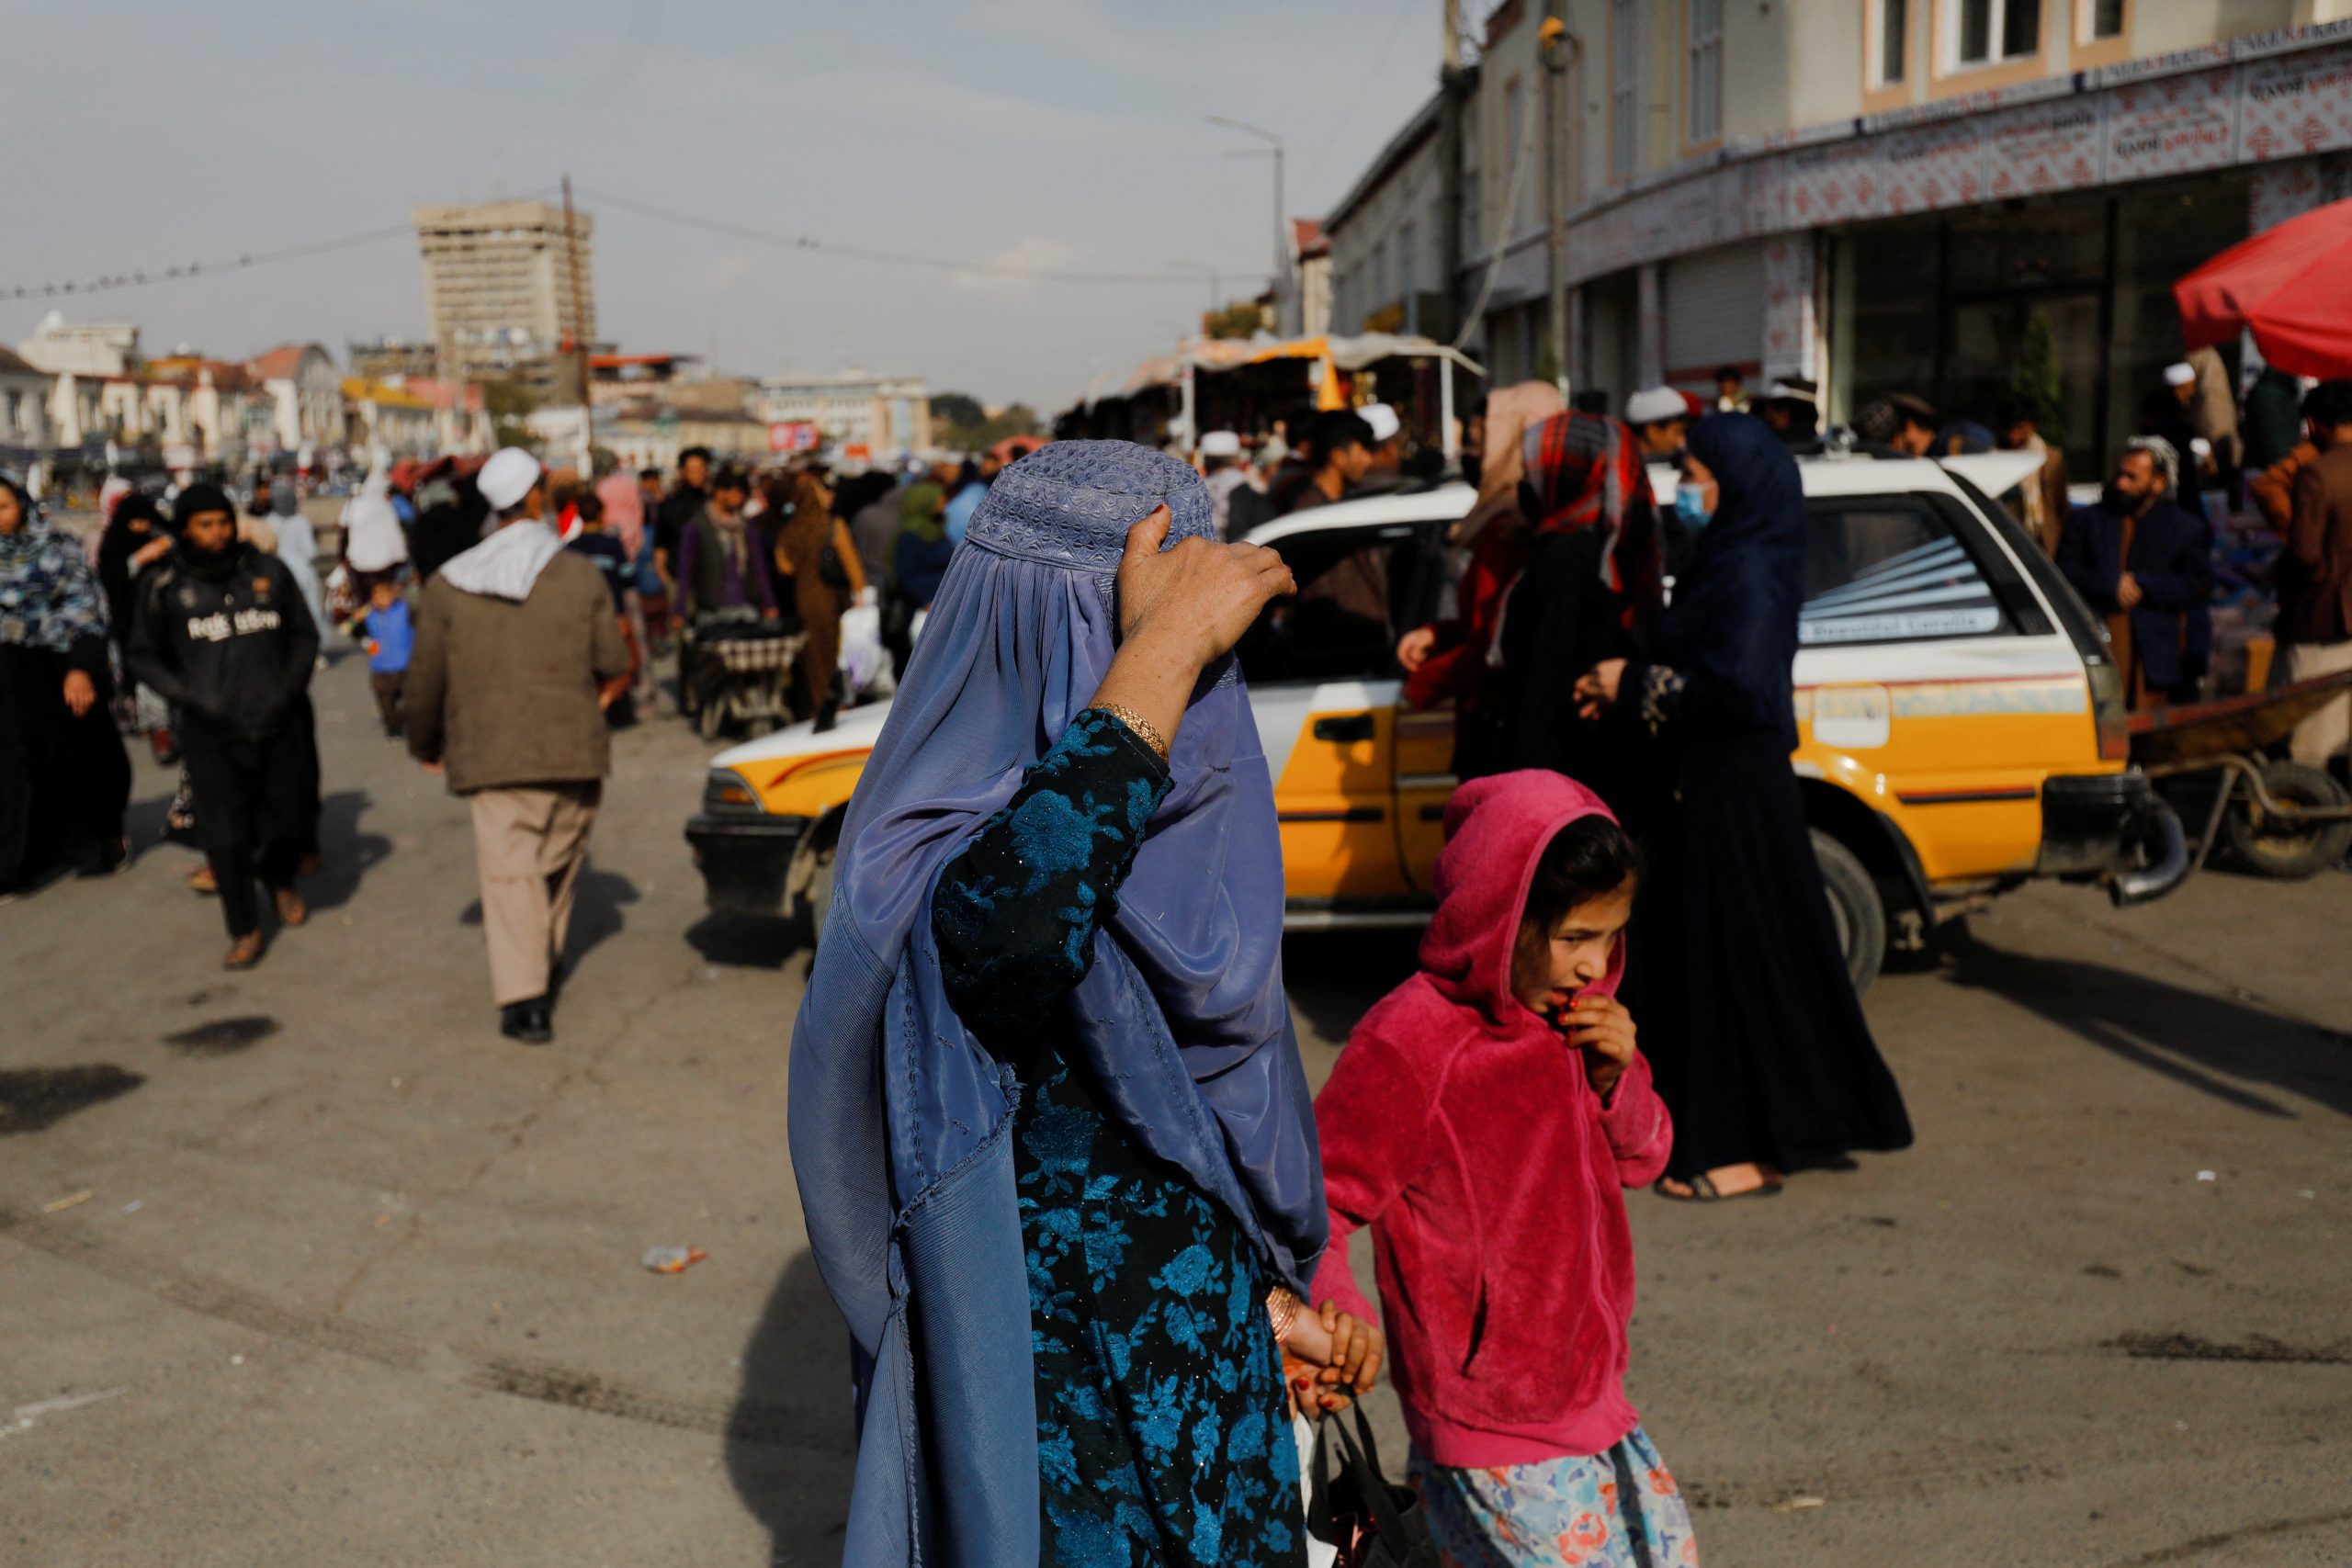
{"x": 1618, "y": 1509}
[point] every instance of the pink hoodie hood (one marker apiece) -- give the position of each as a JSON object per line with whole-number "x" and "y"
{"x": 1495, "y": 830}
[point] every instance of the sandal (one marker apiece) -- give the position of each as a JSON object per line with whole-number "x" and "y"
{"x": 1704, "y": 1190}
{"x": 245, "y": 954}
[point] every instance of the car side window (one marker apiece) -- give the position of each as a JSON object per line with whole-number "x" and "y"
{"x": 1888, "y": 569}
{"x": 1355, "y": 589}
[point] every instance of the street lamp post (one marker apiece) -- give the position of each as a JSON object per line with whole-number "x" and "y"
{"x": 1282, "y": 241}
{"x": 1557, "y": 44}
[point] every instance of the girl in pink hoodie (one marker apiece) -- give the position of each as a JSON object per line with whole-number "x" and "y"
{"x": 1484, "y": 1120}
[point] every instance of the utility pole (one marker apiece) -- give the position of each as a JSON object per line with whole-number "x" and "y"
{"x": 1555, "y": 44}
{"x": 1281, "y": 236}
{"x": 579, "y": 336}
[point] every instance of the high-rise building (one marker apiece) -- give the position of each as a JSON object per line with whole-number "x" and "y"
{"x": 498, "y": 301}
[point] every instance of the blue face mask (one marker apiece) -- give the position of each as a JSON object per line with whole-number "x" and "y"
{"x": 1690, "y": 505}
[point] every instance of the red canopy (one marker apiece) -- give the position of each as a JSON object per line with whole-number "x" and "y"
{"x": 2290, "y": 286}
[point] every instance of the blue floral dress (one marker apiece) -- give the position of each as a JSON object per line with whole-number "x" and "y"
{"x": 1162, "y": 1433}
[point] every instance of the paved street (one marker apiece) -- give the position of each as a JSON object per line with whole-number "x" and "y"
{"x": 356, "y": 1282}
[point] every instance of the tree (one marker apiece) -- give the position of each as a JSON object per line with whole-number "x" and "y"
{"x": 509, "y": 403}
{"x": 2038, "y": 381}
{"x": 957, "y": 409}
{"x": 1238, "y": 321}
{"x": 1014, "y": 419}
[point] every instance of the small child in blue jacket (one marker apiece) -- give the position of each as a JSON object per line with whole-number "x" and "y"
{"x": 389, "y": 633}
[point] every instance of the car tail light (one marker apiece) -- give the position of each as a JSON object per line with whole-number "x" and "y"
{"x": 2109, "y": 713}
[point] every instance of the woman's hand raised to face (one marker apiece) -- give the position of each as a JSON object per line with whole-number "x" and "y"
{"x": 1193, "y": 603}
{"x": 1180, "y": 611}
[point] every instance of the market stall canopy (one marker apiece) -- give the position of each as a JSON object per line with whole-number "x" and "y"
{"x": 2290, "y": 286}
{"x": 1349, "y": 353}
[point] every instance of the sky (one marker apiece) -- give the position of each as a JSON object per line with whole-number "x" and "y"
{"x": 1066, "y": 135}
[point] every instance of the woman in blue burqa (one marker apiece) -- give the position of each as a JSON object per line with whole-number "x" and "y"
{"x": 1048, "y": 1121}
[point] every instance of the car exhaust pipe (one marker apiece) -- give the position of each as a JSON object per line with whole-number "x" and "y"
{"x": 2167, "y": 849}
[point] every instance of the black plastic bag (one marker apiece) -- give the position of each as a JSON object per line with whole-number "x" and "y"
{"x": 1373, "y": 1523}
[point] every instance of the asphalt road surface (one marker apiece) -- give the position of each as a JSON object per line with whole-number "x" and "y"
{"x": 307, "y": 1266}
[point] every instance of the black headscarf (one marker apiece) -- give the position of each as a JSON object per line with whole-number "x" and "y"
{"x": 1735, "y": 611}
{"x": 136, "y": 522}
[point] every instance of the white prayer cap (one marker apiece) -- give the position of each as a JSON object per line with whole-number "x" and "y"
{"x": 1653, "y": 405}
{"x": 507, "y": 478}
{"x": 1220, "y": 444}
{"x": 1382, "y": 420}
{"x": 2179, "y": 375}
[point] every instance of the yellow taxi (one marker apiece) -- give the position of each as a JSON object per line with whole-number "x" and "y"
{"x": 1961, "y": 726}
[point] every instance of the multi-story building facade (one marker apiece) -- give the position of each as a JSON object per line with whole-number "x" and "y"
{"x": 1388, "y": 256}
{"x": 880, "y": 419}
{"x": 1883, "y": 195}
{"x": 305, "y": 392}
{"x": 499, "y": 300}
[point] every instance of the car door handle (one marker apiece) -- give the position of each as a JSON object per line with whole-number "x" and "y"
{"x": 1343, "y": 728}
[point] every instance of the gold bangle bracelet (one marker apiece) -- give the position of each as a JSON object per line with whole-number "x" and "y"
{"x": 1137, "y": 726}
{"x": 1281, "y": 1311}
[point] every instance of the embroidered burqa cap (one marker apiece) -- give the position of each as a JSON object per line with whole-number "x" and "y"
{"x": 900, "y": 1120}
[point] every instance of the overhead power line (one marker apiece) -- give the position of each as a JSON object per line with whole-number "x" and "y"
{"x": 891, "y": 258}
{"x": 145, "y": 277}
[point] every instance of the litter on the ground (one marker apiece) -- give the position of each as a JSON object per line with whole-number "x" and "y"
{"x": 59, "y": 1205}
{"x": 133, "y": 1206}
{"x": 673, "y": 1259}
{"x": 2206, "y": 1176}
{"x": 1792, "y": 1505}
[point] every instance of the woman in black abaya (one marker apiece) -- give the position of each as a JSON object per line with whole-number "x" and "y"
{"x": 1748, "y": 1017}
{"x": 63, "y": 777}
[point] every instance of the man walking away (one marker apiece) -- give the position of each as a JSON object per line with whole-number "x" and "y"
{"x": 2315, "y": 572}
{"x": 518, "y": 652}
{"x": 222, "y": 635}
{"x": 1221, "y": 467}
{"x": 2142, "y": 562}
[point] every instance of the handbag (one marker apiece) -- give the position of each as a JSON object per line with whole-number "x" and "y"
{"x": 829, "y": 570}
{"x": 1373, "y": 1524}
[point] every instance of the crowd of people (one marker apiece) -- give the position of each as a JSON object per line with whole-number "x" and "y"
{"x": 1059, "y": 1163}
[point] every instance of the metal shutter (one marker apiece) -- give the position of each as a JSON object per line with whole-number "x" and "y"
{"x": 1714, "y": 312}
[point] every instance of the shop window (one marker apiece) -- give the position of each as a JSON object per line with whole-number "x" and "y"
{"x": 1891, "y": 24}
{"x": 2102, "y": 19}
{"x": 1624, "y": 19}
{"x": 1706, "y": 70}
{"x": 1985, "y": 31}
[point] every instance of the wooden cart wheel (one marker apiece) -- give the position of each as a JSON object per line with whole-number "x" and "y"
{"x": 2279, "y": 847}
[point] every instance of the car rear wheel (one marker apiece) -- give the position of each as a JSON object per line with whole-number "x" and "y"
{"x": 2277, "y": 846}
{"x": 1855, "y": 906}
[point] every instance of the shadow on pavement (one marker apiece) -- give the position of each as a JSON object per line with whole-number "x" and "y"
{"x": 2224, "y": 1044}
{"x": 32, "y": 1099}
{"x": 596, "y": 912}
{"x": 345, "y": 853}
{"x": 792, "y": 1405}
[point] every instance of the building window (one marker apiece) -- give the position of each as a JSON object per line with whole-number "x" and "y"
{"x": 1890, "y": 20}
{"x": 1984, "y": 31}
{"x": 1622, "y": 20}
{"x": 1706, "y": 70}
{"x": 2102, "y": 19}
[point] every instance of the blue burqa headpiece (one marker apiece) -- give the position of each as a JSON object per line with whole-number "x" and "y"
{"x": 902, "y": 1120}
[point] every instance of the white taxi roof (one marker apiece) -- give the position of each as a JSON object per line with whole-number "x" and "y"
{"x": 1824, "y": 474}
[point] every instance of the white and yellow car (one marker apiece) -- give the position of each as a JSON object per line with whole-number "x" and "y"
{"x": 1960, "y": 726}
